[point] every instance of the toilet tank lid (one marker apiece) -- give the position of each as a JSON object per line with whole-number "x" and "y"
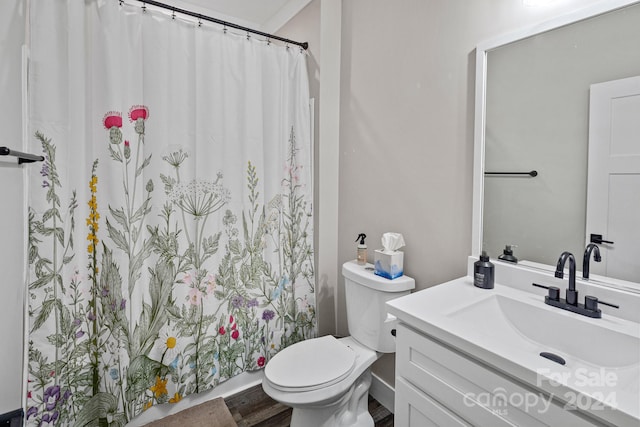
{"x": 364, "y": 275}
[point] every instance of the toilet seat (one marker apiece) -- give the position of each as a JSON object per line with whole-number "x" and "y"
{"x": 310, "y": 365}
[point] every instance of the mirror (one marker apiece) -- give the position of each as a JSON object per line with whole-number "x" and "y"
{"x": 532, "y": 114}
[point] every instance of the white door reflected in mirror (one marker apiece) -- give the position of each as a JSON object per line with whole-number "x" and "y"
{"x": 613, "y": 184}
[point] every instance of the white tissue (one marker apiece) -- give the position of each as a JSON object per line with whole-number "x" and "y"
{"x": 391, "y": 242}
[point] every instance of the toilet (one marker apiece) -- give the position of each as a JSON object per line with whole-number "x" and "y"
{"x": 326, "y": 380}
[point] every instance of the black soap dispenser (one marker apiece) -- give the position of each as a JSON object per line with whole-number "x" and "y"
{"x": 507, "y": 254}
{"x": 483, "y": 272}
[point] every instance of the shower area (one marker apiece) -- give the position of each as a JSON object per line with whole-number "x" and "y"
{"x": 170, "y": 223}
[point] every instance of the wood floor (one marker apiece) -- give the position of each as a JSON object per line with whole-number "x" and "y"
{"x": 253, "y": 407}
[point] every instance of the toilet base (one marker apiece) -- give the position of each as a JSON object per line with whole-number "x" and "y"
{"x": 350, "y": 409}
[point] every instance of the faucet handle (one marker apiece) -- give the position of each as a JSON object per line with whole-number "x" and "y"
{"x": 591, "y": 303}
{"x": 554, "y": 291}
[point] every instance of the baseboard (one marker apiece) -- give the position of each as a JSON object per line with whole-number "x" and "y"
{"x": 383, "y": 392}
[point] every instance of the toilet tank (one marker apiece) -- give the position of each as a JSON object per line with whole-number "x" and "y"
{"x": 365, "y": 298}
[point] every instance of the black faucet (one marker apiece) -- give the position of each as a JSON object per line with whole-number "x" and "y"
{"x": 572, "y": 294}
{"x": 590, "y": 306}
{"x": 591, "y": 247}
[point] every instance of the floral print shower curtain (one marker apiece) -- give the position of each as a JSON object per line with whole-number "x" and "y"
{"x": 170, "y": 225}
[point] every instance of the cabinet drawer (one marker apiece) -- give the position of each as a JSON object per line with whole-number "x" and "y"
{"x": 476, "y": 393}
{"x": 416, "y": 409}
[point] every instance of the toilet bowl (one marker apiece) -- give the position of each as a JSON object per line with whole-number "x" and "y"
{"x": 326, "y": 380}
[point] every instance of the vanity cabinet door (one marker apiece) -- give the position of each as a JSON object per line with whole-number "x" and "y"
{"x": 416, "y": 409}
{"x": 474, "y": 392}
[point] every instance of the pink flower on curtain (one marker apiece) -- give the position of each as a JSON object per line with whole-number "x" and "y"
{"x": 235, "y": 334}
{"x": 210, "y": 281}
{"x": 187, "y": 279}
{"x": 261, "y": 361}
{"x": 195, "y": 296}
{"x": 112, "y": 119}
{"x": 222, "y": 331}
{"x": 138, "y": 112}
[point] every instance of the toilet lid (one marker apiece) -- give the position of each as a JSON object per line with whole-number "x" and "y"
{"x": 310, "y": 365}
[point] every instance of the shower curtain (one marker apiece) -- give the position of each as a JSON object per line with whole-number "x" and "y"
{"x": 170, "y": 225}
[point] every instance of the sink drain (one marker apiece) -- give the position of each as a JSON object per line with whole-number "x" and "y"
{"x": 553, "y": 357}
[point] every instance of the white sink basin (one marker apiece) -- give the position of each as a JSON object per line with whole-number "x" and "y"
{"x": 568, "y": 336}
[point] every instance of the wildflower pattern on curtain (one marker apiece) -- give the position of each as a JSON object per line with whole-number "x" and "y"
{"x": 173, "y": 292}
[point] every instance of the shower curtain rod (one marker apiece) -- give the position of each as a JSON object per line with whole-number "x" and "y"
{"x": 303, "y": 45}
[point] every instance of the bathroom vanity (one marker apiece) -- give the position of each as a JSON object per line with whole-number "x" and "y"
{"x": 493, "y": 357}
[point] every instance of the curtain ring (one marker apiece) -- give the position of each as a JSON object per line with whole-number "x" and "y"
{"x": 199, "y": 22}
{"x": 248, "y": 35}
{"x": 144, "y": 7}
{"x": 121, "y": 2}
{"x": 224, "y": 28}
{"x": 173, "y": 14}
{"x": 268, "y": 42}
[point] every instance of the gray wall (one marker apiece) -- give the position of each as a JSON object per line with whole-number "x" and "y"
{"x": 12, "y": 215}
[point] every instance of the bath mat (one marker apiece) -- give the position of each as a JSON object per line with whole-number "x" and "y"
{"x": 213, "y": 413}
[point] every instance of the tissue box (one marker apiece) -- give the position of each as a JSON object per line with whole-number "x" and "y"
{"x": 388, "y": 265}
